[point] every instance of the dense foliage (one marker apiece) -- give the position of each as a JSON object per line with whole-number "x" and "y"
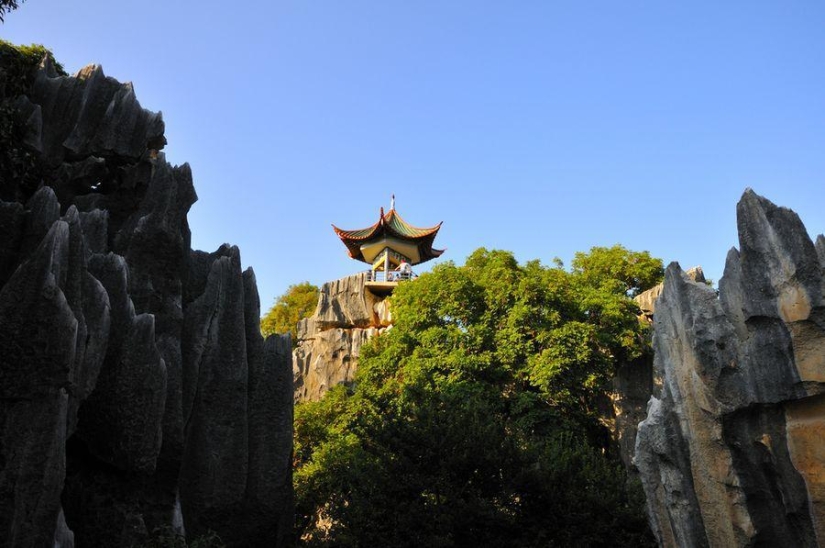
{"x": 475, "y": 420}
{"x": 297, "y": 303}
{"x": 20, "y": 170}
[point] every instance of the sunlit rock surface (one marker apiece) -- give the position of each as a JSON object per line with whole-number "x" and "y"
{"x": 732, "y": 451}
{"x": 329, "y": 342}
{"x": 132, "y": 370}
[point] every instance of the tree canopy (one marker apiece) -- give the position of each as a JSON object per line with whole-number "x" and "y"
{"x": 475, "y": 421}
{"x": 297, "y": 302}
{"x": 7, "y": 6}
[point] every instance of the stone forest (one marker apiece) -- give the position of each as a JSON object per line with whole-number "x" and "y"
{"x": 143, "y": 407}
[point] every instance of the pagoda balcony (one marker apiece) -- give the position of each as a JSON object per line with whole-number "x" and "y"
{"x": 379, "y": 276}
{"x": 381, "y": 282}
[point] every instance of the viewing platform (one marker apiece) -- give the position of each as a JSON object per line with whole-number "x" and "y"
{"x": 381, "y": 282}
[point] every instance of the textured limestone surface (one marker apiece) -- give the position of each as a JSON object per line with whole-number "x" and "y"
{"x": 329, "y": 342}
{"x": 136, "y": 391}
{"x": 731, "y": 452}
{"x": 636, "y": 381}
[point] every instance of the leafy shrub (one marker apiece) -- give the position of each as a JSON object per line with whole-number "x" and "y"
{"x": 20, "y": 169}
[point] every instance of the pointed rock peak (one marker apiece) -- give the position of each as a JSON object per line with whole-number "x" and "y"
{"x": 47, "y": 66}
{"x": 89, "y": 71}
{"x": 820, "y": 249}
{"x": 674, "y": 269}
{"x": 43, "y": 207}
{"x": 71, "y": 216}
{"x": 754, "y": 204}
{"x": 696, "y": 274}
{"x": 44, "y": 195}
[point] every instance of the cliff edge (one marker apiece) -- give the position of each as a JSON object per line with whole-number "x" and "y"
{"x": 329, "y": 342}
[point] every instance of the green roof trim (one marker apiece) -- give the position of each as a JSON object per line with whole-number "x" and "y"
{"x": 391, "y": 224}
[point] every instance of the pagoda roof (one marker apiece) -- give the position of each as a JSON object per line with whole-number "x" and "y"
{"x": 391, "y": 228}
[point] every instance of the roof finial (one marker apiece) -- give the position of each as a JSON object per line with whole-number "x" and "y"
{"x": 392, "y": 202}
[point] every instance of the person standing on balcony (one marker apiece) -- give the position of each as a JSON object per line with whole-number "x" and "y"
{"x": 405, "y": 269}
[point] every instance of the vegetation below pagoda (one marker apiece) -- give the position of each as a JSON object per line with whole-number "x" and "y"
{"x": 296, "y": 303}
{"x": 475, "y": 421}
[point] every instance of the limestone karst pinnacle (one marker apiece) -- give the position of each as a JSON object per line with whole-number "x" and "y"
{"x": 137, "y": 392}
{"x": 731, "y": 451}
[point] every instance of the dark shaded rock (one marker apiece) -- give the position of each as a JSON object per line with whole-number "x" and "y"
{"x": 134, "y": 532}
{"x": 95, "y": 230}
{"x": 200, "y": 264}
{"x": 79, "y": 178}
{"x": 215, "y": 379}
{"x": 29, "y": 117}
{"x": 37, "y": 335}
{"x": 775, "y": 492}
{"x": 93, "y": 115}
{"x": 121, "y": 421}
{"x": 12, "y": 217}
{"x": 269, "y": 483}
{"x": 42, "y": 210}
{"x": 632, "y": 388}
{"x": 121, "y": 415}
{"x": 34, "y": 309}
{"x": 33, "y": 467}
{"x": 63, "y": 536}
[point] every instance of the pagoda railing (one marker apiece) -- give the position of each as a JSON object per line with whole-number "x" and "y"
{"x": 391, "y": 276}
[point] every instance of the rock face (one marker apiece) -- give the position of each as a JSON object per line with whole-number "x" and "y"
{"x": 731, "y": 452}
{"x": 329, "y": 342}
{"x": 635, "y": 382}
{"x": 136, "y": 391}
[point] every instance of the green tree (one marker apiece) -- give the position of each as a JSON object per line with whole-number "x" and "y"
{"x": 20, "y": 166}
{"x": 636, "y": 269}
{"x": 475, "y": 420}
{"x": 7, "y": 6}
{"x": 297, "y": 303}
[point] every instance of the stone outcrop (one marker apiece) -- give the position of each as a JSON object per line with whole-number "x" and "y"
{"x": 136, "y": 391}
{"x": 636, "y": 381}
{"x": 731, "y": 452}
{"x": 329, "y": 342}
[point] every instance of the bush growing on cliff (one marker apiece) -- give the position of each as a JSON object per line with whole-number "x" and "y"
{"x": 20, "y": 170}
{"x": 475, "y": 420}
{"x": 297, "y": 302}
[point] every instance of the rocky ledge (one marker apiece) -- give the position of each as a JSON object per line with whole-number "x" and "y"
{"x": 329, "y": 342}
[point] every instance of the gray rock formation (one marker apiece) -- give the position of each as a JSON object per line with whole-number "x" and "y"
{"x": 133, "y": 374}
{"x": 635, "y": 382}
{"x": 329, "y": 342}
{"x": 731, "y": 451}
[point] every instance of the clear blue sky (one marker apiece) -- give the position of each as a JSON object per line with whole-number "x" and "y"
{"x": 540, "y": 127}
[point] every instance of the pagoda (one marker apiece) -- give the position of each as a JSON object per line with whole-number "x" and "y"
{"x": 391, "y": 247}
